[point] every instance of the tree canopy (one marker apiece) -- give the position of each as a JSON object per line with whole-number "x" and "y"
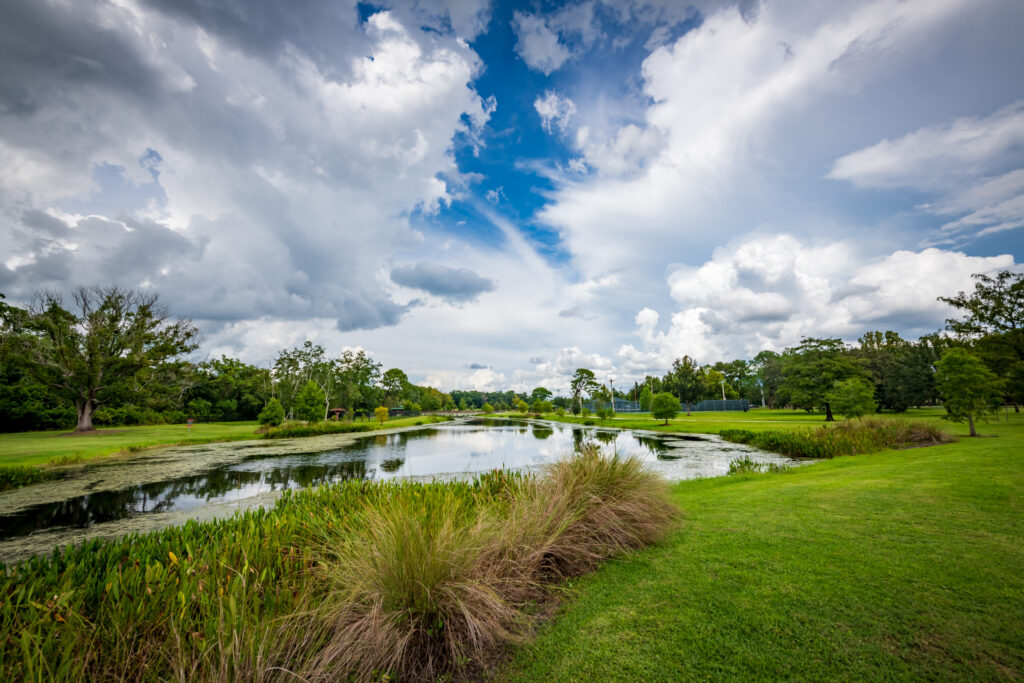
{"x": 114, "y": 343}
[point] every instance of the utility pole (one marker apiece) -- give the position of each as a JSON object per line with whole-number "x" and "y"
{"x": 611, "y": 382}
{"x": 723, "y": 389}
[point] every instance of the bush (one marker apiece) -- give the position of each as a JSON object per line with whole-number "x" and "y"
{"x": 300, "y": 429}
{"x": 272, "y": 413}
{"x": 845, "y": 438}
{"x": 355, "y": 580}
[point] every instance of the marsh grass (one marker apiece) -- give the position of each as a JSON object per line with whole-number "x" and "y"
{"x": 357, "y": 579}
{"x": 850, "y": 437}
{"x": 22, "y": 475}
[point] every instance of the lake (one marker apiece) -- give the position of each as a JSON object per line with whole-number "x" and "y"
{"x": 170, "y": 485}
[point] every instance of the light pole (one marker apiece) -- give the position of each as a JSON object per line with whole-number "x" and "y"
{"x": 723, "y": 389}
{"x": 611, "y": 383}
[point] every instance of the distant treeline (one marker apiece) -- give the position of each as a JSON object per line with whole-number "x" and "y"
{"x": 116, "y": 357}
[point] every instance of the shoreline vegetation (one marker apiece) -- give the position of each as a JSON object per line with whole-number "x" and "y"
{"x": 426, "y": 580}
{"x": 358, "y": 579}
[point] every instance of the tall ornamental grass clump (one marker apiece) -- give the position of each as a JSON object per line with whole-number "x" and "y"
{"x": 353, "y": 580}
{"x": 844, "y": 438}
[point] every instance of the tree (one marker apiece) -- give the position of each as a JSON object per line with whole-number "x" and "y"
{"x": 811, "y": 369}
{"x": 488, "y": 408}
{"x": 272, "y": 414}
{"x": 583, "y": 381}
{"x": 968, "y": 388}
{"x": 645, "y": 398}
{"x": 116, "y": 343}
{"x": 393, "y": 382}
{"x": 664, "y": 406}
{"x": 199, "y": 408}
{"x": 540, "y": 394}
{"x": 381, "y": 413}
{"x": 309, "y": 404}
{"x": 853, "y": 397}
{"x": 685, "y": 381}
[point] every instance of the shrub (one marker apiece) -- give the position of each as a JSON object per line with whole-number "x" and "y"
{"x": 560, "y": 412}
{"x": 272, "y": 413}
{"x": 487, "y": 408}
{"x": 381, "y": 413}
{"x": 300, "y": 429}
{"x": 355, "y": 580}
{"x": 845, "y": 438}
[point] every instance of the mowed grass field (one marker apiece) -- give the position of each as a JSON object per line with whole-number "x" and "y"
{"x": 55, "y": 448}
{"x": 902, "y": 564}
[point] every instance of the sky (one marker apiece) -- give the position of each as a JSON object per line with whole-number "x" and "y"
{"x": 490, "y": 195}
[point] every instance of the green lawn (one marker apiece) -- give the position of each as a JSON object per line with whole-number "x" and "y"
{"x": 895, "y": 565}
{"x": 712, "y": 422}
{"x": 50, "y": 448}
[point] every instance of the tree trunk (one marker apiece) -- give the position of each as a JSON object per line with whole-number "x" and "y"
{"x": 85, "y": 410}
{"x": 1016, "y": 408}
{"x": 687, "y": 410}
{"x": 828, "y": 413}
{"x": 970, "y": 421}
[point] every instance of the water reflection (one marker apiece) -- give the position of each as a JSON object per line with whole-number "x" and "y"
{"x": 257, "y": 475}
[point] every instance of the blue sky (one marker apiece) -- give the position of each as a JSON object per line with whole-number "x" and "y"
{"x": 490, "y": 195}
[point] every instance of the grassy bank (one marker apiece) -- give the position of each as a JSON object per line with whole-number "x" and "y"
{"x": 894, "y": 565}
{"x": 55, "y": 448}
{"x": 360, "y": 579}
{"x": 713, "y": 422}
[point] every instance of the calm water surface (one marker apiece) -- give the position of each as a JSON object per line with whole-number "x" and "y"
{"x": 203, "y": 482}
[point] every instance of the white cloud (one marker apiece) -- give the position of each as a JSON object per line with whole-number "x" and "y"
{"x": 554, "y": 110}
{"x": 286, "y": 181}
{"x": 768, "y": 291}
{"x": 720, "y": 92}
{"x": 537, "y": 44}
{"x": 961, "y": 161}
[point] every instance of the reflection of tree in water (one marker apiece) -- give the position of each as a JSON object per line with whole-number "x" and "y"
{"x": 606, "y": 437}
{"x": 392, "y": 464}
{"x": 578, "y": 439}
{"x": 654, "y": 445}
{"x": 105, "y": 506}
{"x": 542, "y": 432}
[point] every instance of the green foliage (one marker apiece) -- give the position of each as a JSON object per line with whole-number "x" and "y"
{"x": 812, "y": 368}
{"x": 664, "y": 406}
{"x": 847, "y": 438}
{"x": 583, "y": 381}
{"x": 15, "y": 476}
{"x": 968, "y": 388}
{"x": 487, "y": 408}
{"x": 199, "y": 408}
{"x": 645, "y": 398}
{"x": 310, "y": 403}
{"x": 272, "y": 414}
{"x": 380, "y": 413}
{"x": 300, "y": 429}
{"x": 352, "y": 580}
{"x": 560, "y": 412}
{"x": 685, "y": 381}
{"x": 853, "y": 397}
{"x": 604, "y": 413}
{"x": 115, "y": 342}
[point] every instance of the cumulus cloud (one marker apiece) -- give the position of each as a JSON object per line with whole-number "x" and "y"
{"x": 768, "y": 291}
{"x": 254, "y": 127}
{"x": 452, "y": 284}
{"x": 961, "y": 160}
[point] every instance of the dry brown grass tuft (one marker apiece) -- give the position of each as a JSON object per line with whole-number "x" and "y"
{"x": 432, "y": 580}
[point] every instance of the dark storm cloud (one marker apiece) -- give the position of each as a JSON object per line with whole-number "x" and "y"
{"x": 43, "y": 44}
{"x": 452, "y": 284}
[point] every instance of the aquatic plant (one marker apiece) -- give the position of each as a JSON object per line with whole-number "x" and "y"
{"x": 354, "y": 579}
